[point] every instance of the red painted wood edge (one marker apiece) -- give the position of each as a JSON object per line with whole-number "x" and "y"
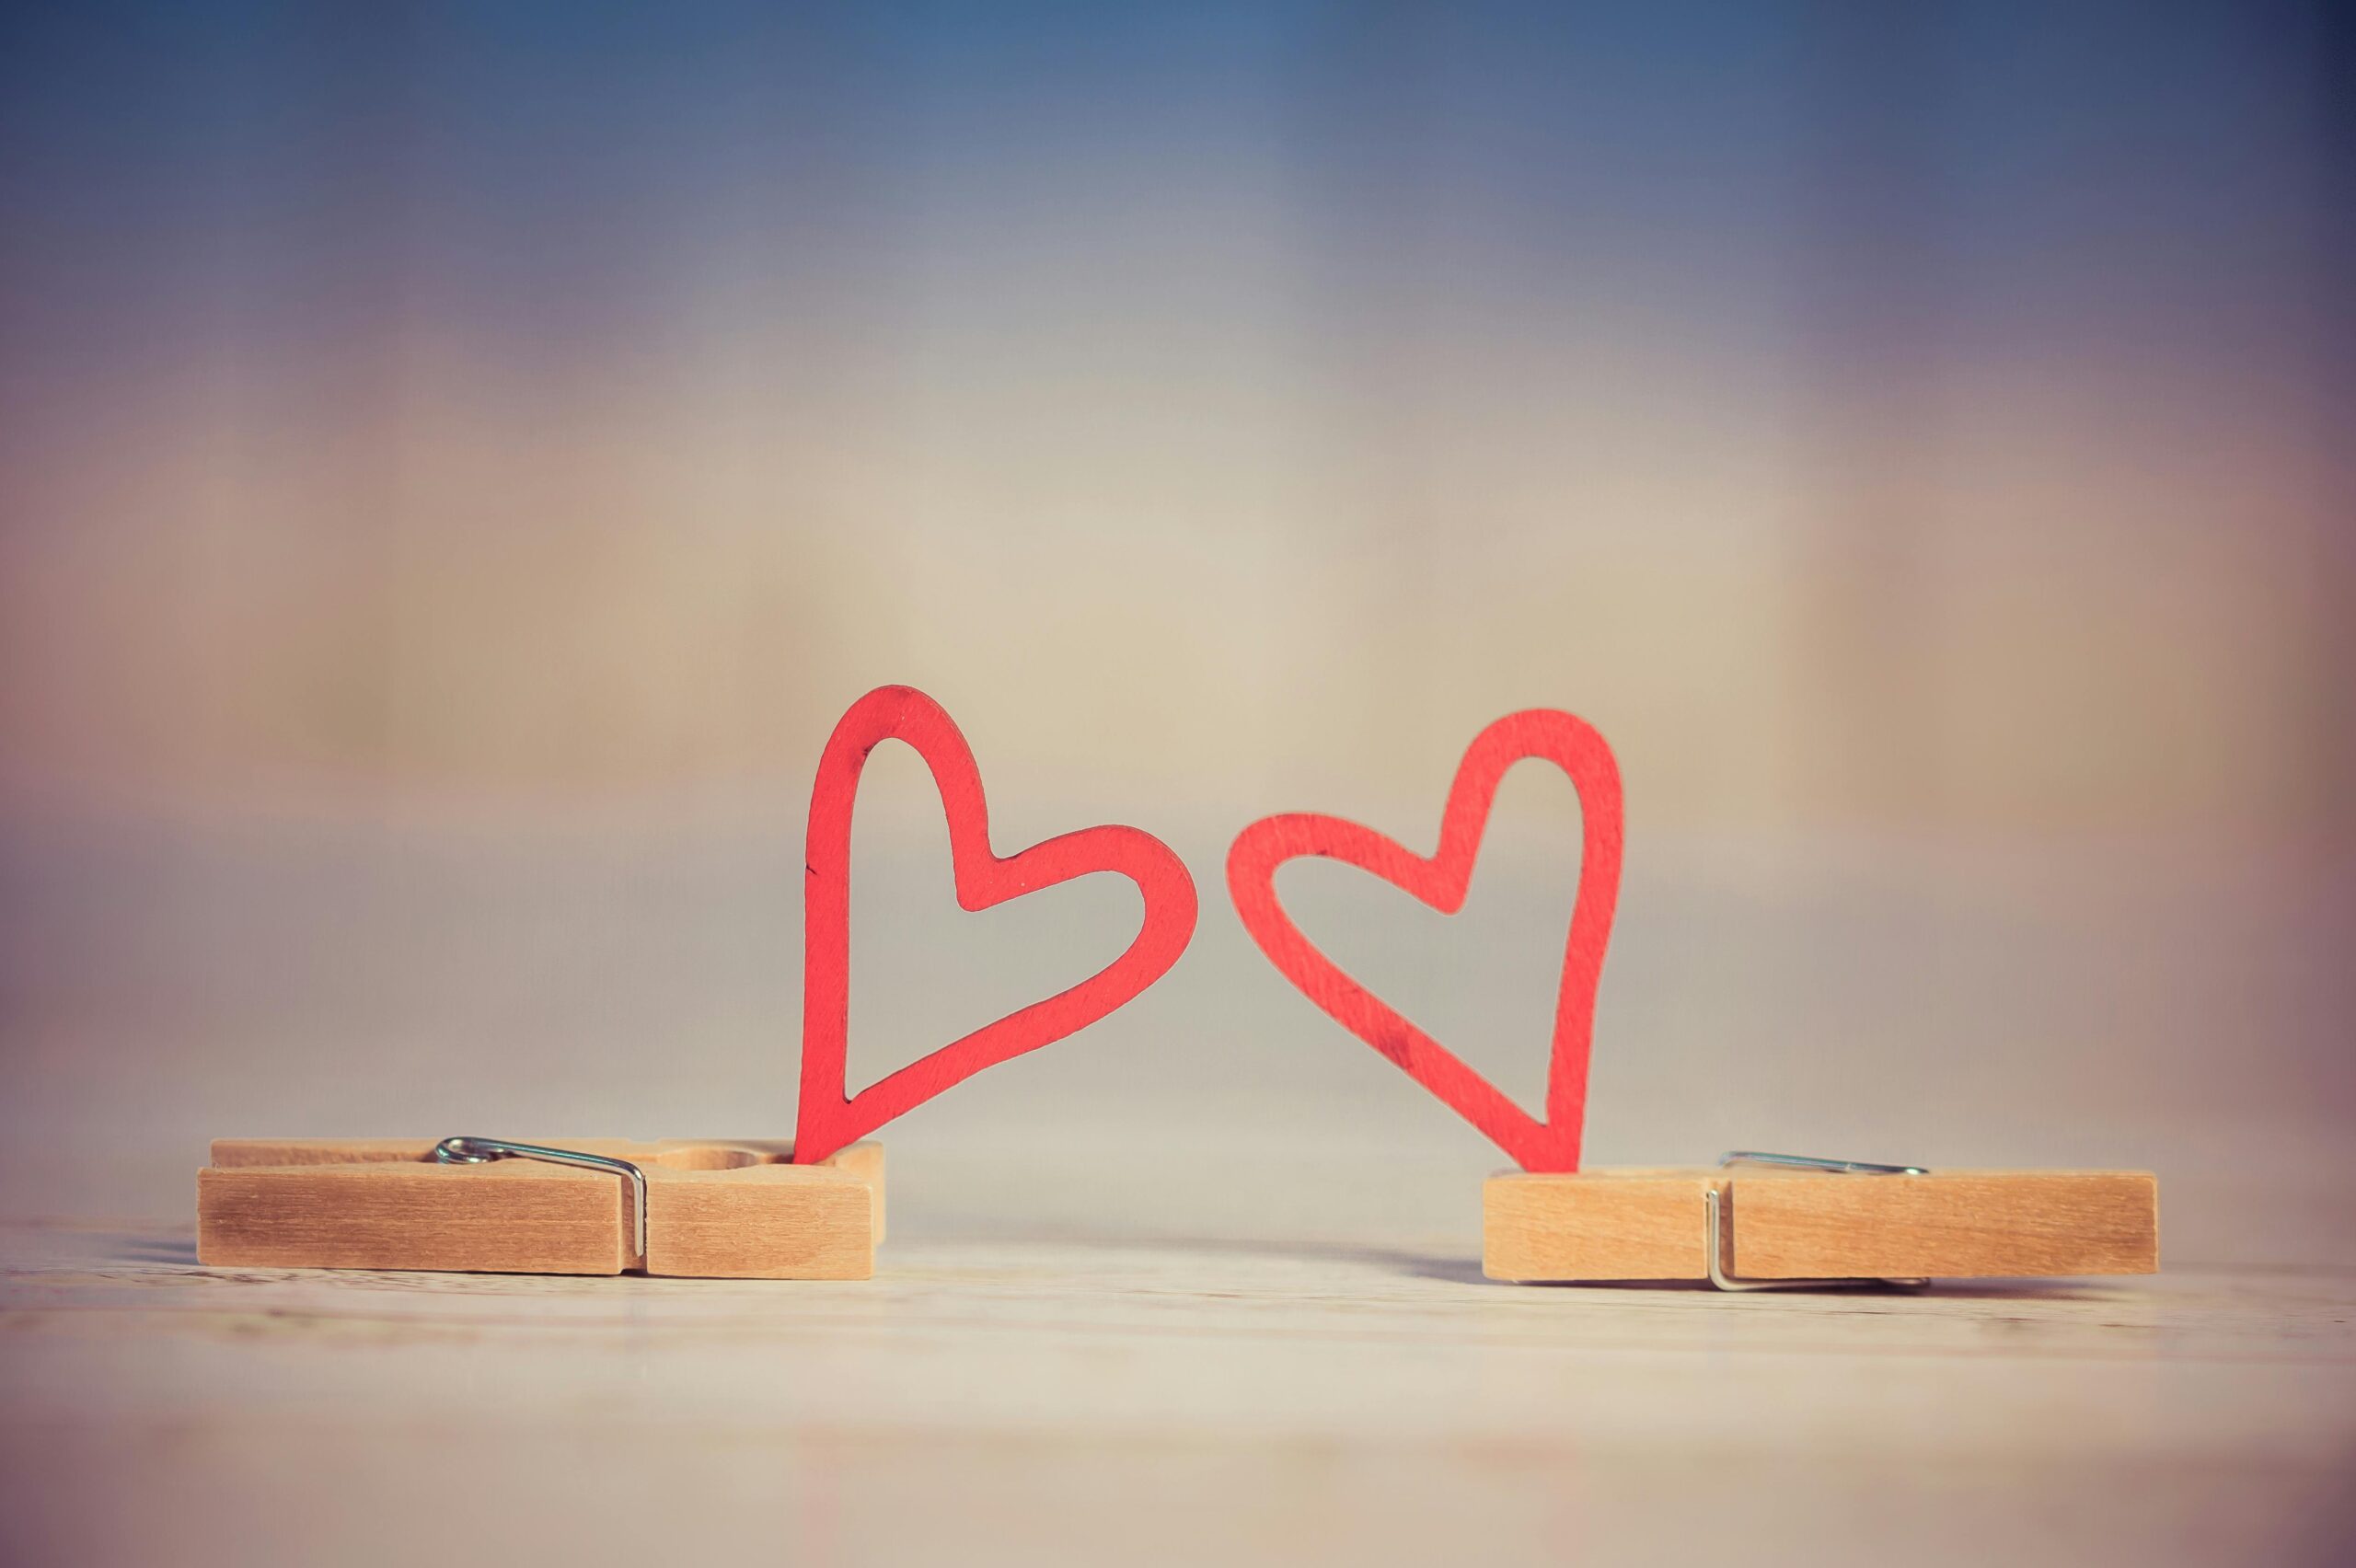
{"x": 828, "y": 1120}
{"x": 1440, "y": 881}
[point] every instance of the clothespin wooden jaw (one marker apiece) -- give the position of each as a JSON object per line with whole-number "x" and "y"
{"x": 1781, "y": 1221}
{"x": 733, "y": 1209}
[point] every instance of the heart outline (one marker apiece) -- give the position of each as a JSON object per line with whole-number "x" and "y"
{"x": 828, "y": 1119}
{"x": 1440, "y": 881}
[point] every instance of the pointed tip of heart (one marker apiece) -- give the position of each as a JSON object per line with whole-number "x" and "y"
{"x": 1441, "y": 881}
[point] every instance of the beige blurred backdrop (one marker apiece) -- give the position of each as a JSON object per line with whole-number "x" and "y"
{"x": 453, "y": 480}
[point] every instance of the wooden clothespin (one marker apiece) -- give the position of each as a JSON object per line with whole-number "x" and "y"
{"x": 1784, "y": 1220}
{"x": 812, "y": 1208}
{"x": 734, "y": 1210}
{"x": 1765, "y": 1221}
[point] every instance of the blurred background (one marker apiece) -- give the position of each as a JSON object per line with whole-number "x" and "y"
{"x": 456, "y": 462}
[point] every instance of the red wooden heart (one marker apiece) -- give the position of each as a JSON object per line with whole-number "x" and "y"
{"x": 1574, "y": 746}
{"x": 828, "y": 1120}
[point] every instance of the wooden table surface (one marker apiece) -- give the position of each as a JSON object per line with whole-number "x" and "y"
{"x": 987, "y": 1401}
{"x": 1201, "y": 1285}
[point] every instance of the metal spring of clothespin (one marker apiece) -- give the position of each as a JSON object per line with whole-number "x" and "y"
{"x": 482, "y": 1151}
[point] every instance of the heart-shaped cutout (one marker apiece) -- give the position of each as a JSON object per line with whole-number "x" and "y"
{"x": 1440, "y": 879}
{"x": 829, "y": 1120}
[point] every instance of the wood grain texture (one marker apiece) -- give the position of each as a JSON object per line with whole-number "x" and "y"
{"x": 828, "y": 1120}
{"x": 1297, "y": 1399}
{"x": 1440, "y": 879}
{"x": 865, "y": 1161}
{"x": 780, "y": 1221}
{"x": 1648, "y": 1223}
{"x": 513, "y": 1217}
{"x": 1948, "y": 1225}
{"x": 738, "y": 1210}
{"x": 1598, "y": 1225}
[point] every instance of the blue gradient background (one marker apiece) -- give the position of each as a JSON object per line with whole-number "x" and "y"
{"x": 456, "y": 463}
